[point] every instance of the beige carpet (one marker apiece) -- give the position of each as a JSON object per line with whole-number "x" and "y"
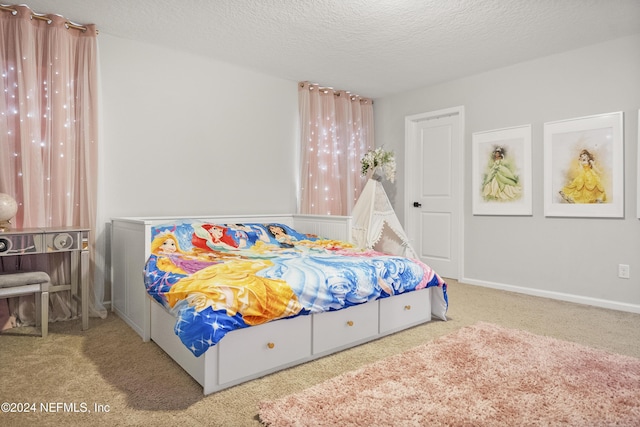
{"x": 110, "y": 365}
{"x": 482, "y": 375}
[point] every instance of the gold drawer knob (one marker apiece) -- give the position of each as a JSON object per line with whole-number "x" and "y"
{"x": 407, "y": 307}
{"x": 350, "y": 322}
{"x": 271, "y": 345}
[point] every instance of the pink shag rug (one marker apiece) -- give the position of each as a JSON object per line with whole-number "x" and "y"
{"x": 481, "y": 375}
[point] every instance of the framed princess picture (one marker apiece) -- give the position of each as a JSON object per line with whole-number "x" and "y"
{"x": 502, "y": 171}
{"x": 584, "y": 167}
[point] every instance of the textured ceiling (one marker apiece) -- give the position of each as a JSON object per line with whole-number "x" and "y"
{"x": 370, "y": 47}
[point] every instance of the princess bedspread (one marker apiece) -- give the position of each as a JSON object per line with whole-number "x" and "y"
{"x": 217, "y": 278}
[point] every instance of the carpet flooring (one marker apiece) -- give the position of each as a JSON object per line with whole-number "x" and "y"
{"x": 481, "y": 375}
{"x": 132, "y": 383}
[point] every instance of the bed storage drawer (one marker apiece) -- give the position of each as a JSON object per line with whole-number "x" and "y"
{"x": 263, "y": 348}
{"x": 336, "y": 329}
{"x": 403, "y": 310}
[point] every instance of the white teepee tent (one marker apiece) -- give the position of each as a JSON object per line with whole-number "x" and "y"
{"x": 375, "y": 224}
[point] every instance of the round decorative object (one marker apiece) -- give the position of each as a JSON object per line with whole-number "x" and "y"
{"x": 62, "y": 241}
{"x": 8, "y": 209}
{"x": 5, "y": 245}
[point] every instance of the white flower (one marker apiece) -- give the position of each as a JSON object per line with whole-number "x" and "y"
{"x": 380, "y": 158}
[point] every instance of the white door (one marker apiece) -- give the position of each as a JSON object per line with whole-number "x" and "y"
{"x": 434, "y": 161}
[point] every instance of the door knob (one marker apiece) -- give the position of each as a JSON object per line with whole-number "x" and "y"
{"x": 417, "y": 205}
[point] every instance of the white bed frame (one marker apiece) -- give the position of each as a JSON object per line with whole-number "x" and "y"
{"x": 249, "y": 353}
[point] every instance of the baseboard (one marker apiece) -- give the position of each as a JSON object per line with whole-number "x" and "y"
{"x": 613, "y": 305}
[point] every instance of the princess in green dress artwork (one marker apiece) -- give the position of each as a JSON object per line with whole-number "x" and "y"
{"x": 500, "y": 182}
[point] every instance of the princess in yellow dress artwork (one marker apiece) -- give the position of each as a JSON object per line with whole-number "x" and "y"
{"x": 586, "y": 186}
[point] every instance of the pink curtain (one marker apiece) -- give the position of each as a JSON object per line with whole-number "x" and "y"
{"x": 336, "y": 130}
{"x": 48, "y": 136}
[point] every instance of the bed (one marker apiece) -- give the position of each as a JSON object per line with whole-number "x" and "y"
{"x": 233, "y": 298}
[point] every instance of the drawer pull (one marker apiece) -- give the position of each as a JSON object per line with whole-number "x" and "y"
{"x": 350, "y": 322}
{"x": 271, "y": 345}
{"x": 407, "y": 307}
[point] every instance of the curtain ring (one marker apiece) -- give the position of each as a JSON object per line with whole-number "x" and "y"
{"x": 42, "y": 18}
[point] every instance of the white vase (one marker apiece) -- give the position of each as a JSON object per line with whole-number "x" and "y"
{"x": 8, "y": 209}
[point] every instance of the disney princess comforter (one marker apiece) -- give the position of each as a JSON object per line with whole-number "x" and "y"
{"x": 216, "y": 278}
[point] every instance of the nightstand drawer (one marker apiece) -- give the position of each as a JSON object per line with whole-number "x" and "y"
{"x": 20, "y": 244}
{"x": 61, "y": 241}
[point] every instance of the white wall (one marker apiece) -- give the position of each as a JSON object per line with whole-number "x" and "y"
{"x": 185, "y": 135}
{"x": 567, "y": 258}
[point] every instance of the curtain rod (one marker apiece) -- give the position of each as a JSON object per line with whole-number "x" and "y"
{"x": 68, "y": 24}
{"x": 335, "y": 92}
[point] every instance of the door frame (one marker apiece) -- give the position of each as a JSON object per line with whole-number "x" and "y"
{"x": 410, "y": 124}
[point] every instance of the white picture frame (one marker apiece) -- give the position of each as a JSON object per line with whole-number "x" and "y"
{"x": 584, "y": 150}
{"x": 501, "y": 171}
